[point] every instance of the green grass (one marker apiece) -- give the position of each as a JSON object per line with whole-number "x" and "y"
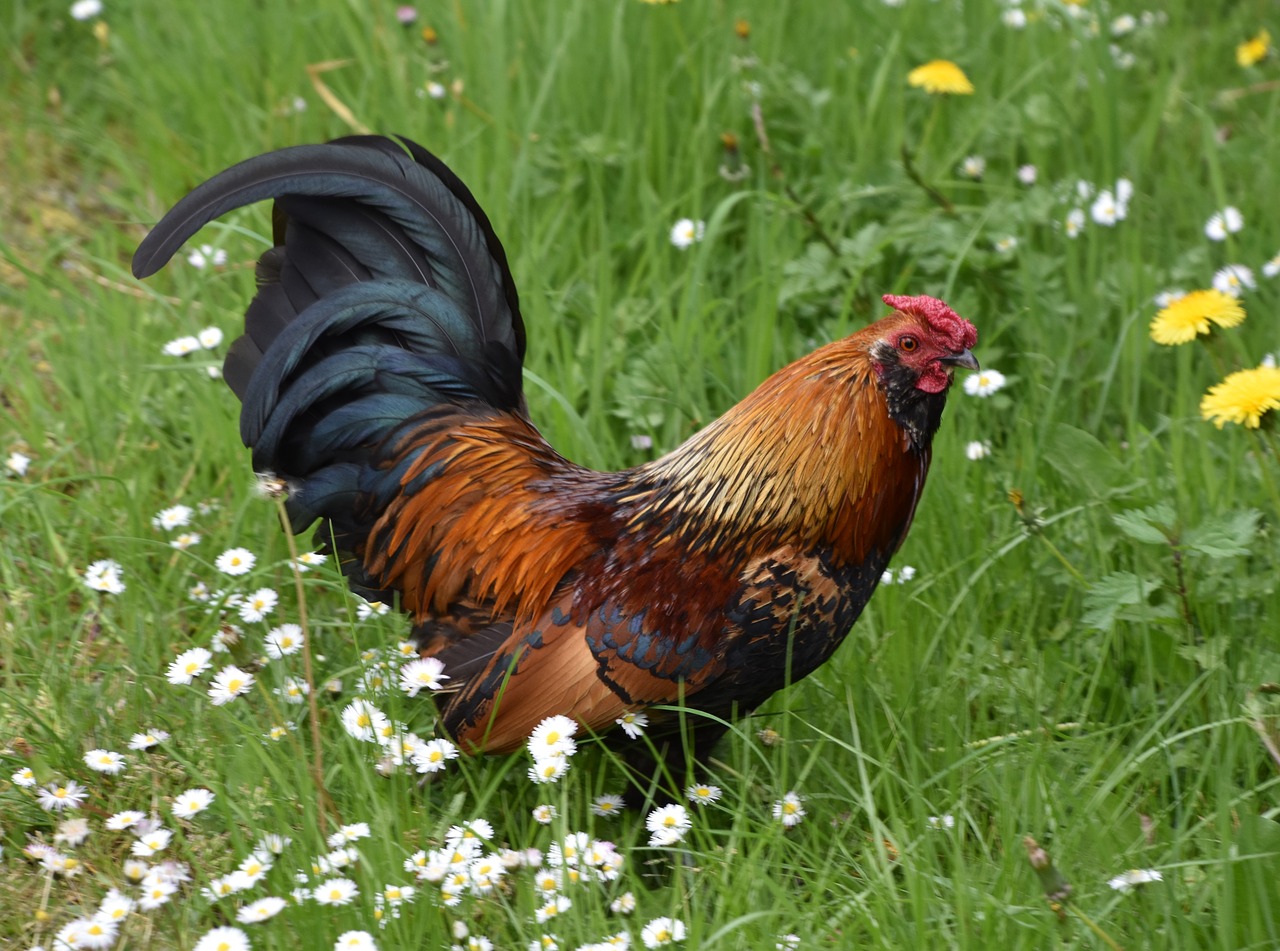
{"x": 1080, "y": 668}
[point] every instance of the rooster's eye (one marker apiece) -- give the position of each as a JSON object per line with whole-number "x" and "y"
{"x": 908, "y": 344}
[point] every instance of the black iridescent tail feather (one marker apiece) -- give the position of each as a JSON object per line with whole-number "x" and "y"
{"x": 386, "y": 293}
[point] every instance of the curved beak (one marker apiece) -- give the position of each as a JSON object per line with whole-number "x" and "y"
{"x": 964, "y": 359}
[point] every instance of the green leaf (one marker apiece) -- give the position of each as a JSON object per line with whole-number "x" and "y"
{"x": 1082, "y": 459}
{"x": 1154, "y": 524}
{"x": 1224, "y": 536}
{"x": 1109, "y": 596}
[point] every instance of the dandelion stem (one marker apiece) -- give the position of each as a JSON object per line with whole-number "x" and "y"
{"x": 1267, "y": 444}
{"x": 325, "y": 801}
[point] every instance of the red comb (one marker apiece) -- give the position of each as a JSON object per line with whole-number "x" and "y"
{"x": 959, "y": 333}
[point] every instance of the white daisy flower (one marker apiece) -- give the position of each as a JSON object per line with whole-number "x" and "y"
{"x": 105, "y": 761}
{"x": 686, "y": 232}
{"x": 470, "y": 834}
{"x": 1222, "y": 223}
{"x": 230, "y": 682}
{"x": 71, "y": 832}
{"x": 984, "y": 382}
{"x": 436, "y": 90}
{"x": 135, "y": 870}
{"x": 53, "y": 798}
{"x": 905, "y": 574}
{"x": 1027, "y": 174}
{"x": 1124, "y": 194}
{"x": 25, "y": 777}
{"x": 549, "y": 770}
{"x": 124, "y": 820}
{"x": 432, "y": 755}
{"x": 188, "y": 666}
{"x": 221, "y": 887}
{"x": 553, "y": 907}
{"x": 398, "y": 894}
{"x": 173, "y": 517}
{"x": 210, "y": 337}
{"x": 974, "y": 166}
{"x": 662, "y": 932}
{"x": 702, "y": 793}
{"x": 18, "y": 462}
{"x": 253, "y": 869}
{"x": 946, "y": 821}
{"x": 353, "y": 832}
{"x": 260, "y": 910}
{"x": 1272, "y": 267}
{"x": 66, "y": 866}
{"x": 364, "y": 721}
{"x": 1234, "y": 279}
{"x": 1124, "y": 24}
{"x": 225, "y": 938}
{"x": 1075, "y": 222}
{"x": 310, "y": 559}
{"x": 544, "y": 814}
{"x": 977, "y": 449}
{"x": 284, "y": 640}
{"x": 624, "y": 904}
{"x": 207, "y": 255}
{"x": 273, "y": 843}
{"x": 86, "y": 9}
{"x": 1106, "y": 210}
{"x": 293, "y": 690}
{"x": 1014, "y": 17}
{"x": 1171, "y": 296}
{"x": 104, "y": 576}
{"x": 425, "y": 673}
{"x": 184, "y": 541}
{"x": 157, "y": 840}
{"x": 633, "y": 723}
{"x": 192, "y": 802}
{"x": 335, "y": 891}
{"x": 607, "y": 806}
{"x": 115, "y": 906}
{"x": 258, "y": 605}
{"x": 181, "y": 346}
{"x": 368, "y": 609}
{"x": 1135, "y": 877}
{"x": 355, "y": 941}
{"x": 236, "y": 561}
{"x": 667, "y": 825}
{"x": 87, "y": 933}
{"x": 553, "y": 737}
{"x": 789, "y": 809}
{"x": 1006, "y": 245}
{"x": 157, "y": 892}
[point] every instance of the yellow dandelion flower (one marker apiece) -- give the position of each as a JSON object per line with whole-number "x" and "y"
{"x": 1192, "y": 314}
{"x": 1254, "y": 51}
{"x": 1243, "y": 397}
{"x": 940, "y": 76}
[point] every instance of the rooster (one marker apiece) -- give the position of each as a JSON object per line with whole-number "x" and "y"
{"x": 380, "y": 376}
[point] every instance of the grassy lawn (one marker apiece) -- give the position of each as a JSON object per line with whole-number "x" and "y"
{"x": 1076, "y": 661}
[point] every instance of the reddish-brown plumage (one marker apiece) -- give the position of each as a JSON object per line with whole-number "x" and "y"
{"x": 809, "y": 472}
